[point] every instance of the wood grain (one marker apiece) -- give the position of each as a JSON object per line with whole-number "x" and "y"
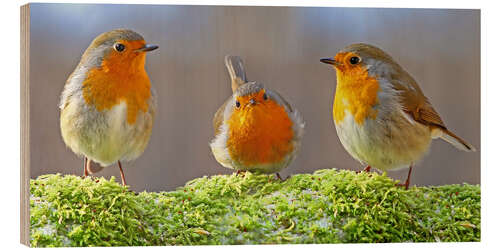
{"x": 25, "y": 124}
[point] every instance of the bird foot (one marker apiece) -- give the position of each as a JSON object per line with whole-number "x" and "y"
{"x": 278, "y": 177}
{"x": 405, "y": 185}
{"x": 407, "y": 182}
{"x": 367, "y": 169}
{"x": 240, "y": 172}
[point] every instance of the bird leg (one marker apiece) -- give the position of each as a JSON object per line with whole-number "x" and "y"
{"x": 124, "y": 183}
{"x": 85, "y": 162}
{"x": 407, "y": 182}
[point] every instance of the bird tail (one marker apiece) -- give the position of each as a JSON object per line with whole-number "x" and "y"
{"x": 456, "y": 141}
{"x": 236, "y": 70}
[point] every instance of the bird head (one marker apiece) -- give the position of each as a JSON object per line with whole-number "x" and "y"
{"x": 250, "y": 95}
{"x": 117, "y": 50}
{"x": 359, "y": 58}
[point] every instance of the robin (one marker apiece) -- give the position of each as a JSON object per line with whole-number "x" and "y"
{"x": 108, "y": 104}
{"x": 382, "y": 117}
{"x": 255, "y": 128}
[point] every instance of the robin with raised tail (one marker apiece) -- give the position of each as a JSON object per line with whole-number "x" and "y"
{"x": 255, "y": 128}
{"x": 108, "y": 104}
{"x": 382, "y": 117}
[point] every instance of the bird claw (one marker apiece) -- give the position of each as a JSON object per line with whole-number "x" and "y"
{"x": 240, "y": 172}
{"x": 405, "y": 185}
{"x": 278, "y": 177}
{"x": 366, "y": 169}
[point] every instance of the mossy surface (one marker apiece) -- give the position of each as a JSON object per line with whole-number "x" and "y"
{"x": 328, "y": 206}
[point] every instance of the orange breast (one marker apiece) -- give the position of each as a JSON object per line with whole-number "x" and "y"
{"x": 357, "y": 93}
{"x": 261, "y": 134}
{"x": 119, "y": 79}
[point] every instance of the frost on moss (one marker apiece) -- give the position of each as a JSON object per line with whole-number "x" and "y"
{"x": 328, "y": 206}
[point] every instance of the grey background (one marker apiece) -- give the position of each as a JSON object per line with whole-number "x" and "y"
{"x": 281, "y": 47}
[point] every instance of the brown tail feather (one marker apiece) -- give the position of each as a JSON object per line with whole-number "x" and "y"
{"x": 456, "y": 141}
{"x": 236, "y": 70}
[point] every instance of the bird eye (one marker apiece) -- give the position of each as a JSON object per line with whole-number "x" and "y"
{"x": 119, "y": 47}
{"x": 264, "y": 96}
{"x": 354, "y": 60}
{"x": 238, "y": 104}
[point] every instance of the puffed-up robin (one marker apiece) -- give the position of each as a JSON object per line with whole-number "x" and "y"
{"x": 382, "y": 117}
{"x": 255, "y": 128}
{"x": 108, "y": 104}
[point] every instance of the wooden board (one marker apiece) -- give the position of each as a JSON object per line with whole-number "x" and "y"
{"x": 25, "y": 124}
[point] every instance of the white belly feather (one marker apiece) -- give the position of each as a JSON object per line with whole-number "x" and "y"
{"x": 387, "y": 143}
{"x": 105, "y": 137}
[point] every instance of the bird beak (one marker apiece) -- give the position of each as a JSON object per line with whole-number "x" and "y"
{"x": 147, "y": 47}
{"x": 329, "y": 61}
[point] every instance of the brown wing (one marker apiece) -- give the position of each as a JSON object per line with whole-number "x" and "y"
{"x": 418, "y": 106}
{"x": 414, "y": 101}
{"x": 66, "y": 95}
{"x": 219, "y": 117}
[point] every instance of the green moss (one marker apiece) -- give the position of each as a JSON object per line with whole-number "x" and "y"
{"x": 328, "y": 206}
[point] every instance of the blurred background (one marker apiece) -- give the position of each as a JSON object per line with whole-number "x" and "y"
{"x": 281, "y": 48}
